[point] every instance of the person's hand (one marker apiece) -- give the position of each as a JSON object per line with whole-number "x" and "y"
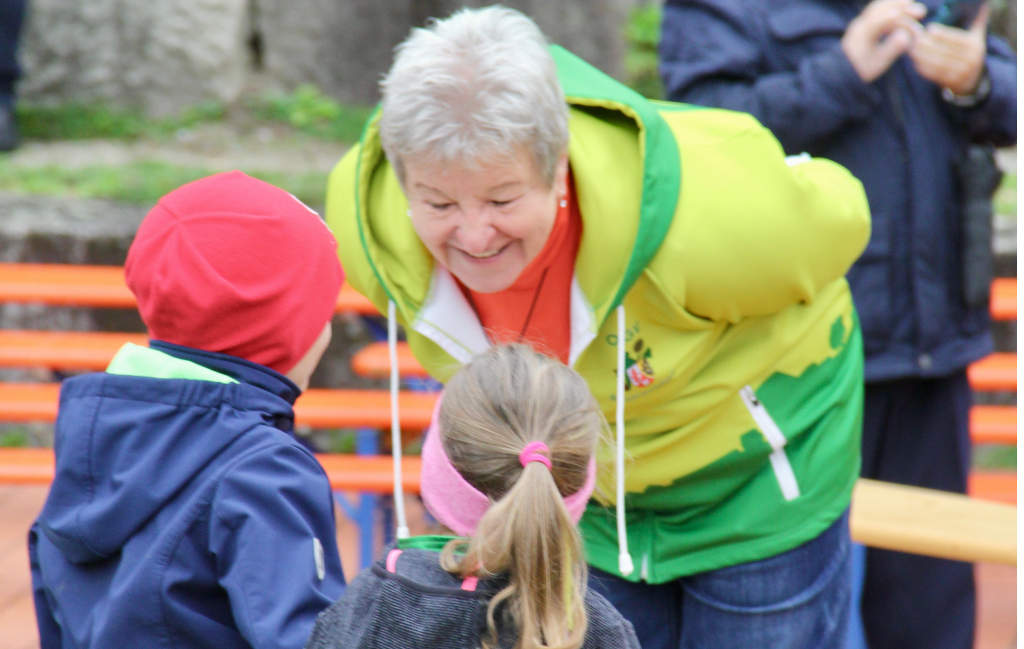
{"x": 951, "y": 57}
{"x": 883, "y": 31}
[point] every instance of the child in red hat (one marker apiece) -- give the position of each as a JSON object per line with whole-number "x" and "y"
{"x": 183, "y": 511}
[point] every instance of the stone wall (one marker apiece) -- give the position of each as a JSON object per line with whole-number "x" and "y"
{"x": 164, "y": 55}
{"x": 161, "y": 55}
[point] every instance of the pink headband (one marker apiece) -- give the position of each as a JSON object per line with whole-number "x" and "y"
{"x": 458, "y": 505}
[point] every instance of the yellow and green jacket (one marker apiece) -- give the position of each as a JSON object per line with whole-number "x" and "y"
{"x": 743, "y": 354}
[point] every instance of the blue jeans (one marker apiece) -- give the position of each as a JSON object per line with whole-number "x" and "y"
{"x": 799, "y": 599}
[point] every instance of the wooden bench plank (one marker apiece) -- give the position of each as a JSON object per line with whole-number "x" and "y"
{"x": 372, "y": 361}
{"x": 1003, "y": 298}
{"x": 103, "y": 286}
{"x": 993, "y": 424}
{"x": 63, "y": 350}
{"x": 317, "y": 408}
{"x": 347, "y": 472}
{"x": 934, "y": 523}
{"x": 994, "y": 373}
{"x": 1000, "y": 486}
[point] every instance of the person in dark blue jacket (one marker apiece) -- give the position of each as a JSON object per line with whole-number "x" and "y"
{"x": 12, "y": 15}
{"x": 184, "y": 512}
{"x": 900, "y": 100}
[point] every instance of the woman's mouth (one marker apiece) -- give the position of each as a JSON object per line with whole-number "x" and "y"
{"x": 484, "y": 256}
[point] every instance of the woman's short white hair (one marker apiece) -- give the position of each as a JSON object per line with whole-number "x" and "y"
{"x": 477, "y": 85}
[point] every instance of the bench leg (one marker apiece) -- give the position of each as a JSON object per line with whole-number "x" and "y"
{"x": 367, "y": 443}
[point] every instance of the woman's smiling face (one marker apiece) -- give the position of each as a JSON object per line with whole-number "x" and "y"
{"x": 484, "y": 223}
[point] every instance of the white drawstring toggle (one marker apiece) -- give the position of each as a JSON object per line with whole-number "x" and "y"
{"x": 625, "y": 564}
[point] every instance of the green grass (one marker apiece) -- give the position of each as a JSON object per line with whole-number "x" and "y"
{"x": 15, "y": 437}
{"x": 342, "y": 440}
{"x": 75, "y": 121}
{"x": 1005, "y": 200}
{"x": 310, "y": 111}
{"x": 337, "y": 441}
{"x": 642, "y": 32}
{"x": 140, "y": 182}
{"x": 994, "y": 456}
{"x": 306, "y": 109}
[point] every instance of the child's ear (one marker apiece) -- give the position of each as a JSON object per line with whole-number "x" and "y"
{"x": 303, "y": 370}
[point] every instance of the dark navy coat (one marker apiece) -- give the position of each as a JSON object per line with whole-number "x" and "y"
{"x": 781, "y": 61}
{"x": 184, "y": 513}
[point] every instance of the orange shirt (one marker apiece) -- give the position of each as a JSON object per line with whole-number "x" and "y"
{"x": 535, "y": 309}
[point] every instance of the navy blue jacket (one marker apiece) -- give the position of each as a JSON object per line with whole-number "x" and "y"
{"x": 782, "y": 62}
{"x": 184, "y": 513}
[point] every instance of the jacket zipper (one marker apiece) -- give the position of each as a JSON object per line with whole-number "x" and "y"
{"x": 780, "y": 463}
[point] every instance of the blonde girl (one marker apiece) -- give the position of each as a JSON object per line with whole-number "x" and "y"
{"x": 508, "y": 466}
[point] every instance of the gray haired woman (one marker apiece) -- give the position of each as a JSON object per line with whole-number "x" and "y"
{"x": 693, "y": 275}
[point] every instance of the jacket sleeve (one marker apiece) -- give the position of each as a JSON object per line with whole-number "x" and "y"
{"x": 272, "y": 531}
{"x": 49, "y": 632}
{"x": 995, "y": 119}
{"x": 756, "y": 232}
{"x": 716, "y": 53}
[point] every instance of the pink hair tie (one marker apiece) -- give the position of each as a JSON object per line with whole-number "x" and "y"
{"x": 532, "y": 453}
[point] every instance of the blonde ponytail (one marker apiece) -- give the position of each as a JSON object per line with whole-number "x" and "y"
{"x": 495, "y": 406}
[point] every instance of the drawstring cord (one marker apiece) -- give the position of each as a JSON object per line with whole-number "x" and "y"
{"x": 402, "y": 530}
{"x": 625, "y": 561}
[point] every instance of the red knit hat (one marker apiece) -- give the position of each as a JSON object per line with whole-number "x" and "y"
{"x": 232, "y": 264}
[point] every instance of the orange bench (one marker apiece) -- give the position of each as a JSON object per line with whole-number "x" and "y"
{"x": 1003, "y": 298}
{"x": 102, "y": 286}
{"x": 28, "y": 466}
{"x": 316, "y": 408}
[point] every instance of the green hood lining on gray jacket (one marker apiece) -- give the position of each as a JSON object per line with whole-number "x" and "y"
{"x": 585, "y": 85}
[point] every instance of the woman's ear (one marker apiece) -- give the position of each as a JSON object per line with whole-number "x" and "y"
{"x": 562, "y": 175}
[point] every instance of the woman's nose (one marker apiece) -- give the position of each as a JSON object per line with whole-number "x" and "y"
{"x": 475, "y": 233}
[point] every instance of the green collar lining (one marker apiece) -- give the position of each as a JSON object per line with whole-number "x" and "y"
{"x": 432, "y": 542}
{"x": 135, "y": 360}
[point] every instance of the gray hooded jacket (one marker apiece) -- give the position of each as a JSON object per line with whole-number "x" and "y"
{"x": 422, "y": 605}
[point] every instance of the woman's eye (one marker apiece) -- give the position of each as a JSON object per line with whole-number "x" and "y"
{"x": 501, "y": 203}
{"x": 439, "y": 206}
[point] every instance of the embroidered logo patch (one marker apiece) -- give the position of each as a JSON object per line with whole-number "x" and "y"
{"x": 639, "y": 372}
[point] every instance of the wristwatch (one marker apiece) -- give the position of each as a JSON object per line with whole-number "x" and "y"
{"x": 971, "y": 100}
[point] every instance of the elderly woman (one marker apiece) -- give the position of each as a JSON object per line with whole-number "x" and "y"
{"x": 506, "y": 190}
